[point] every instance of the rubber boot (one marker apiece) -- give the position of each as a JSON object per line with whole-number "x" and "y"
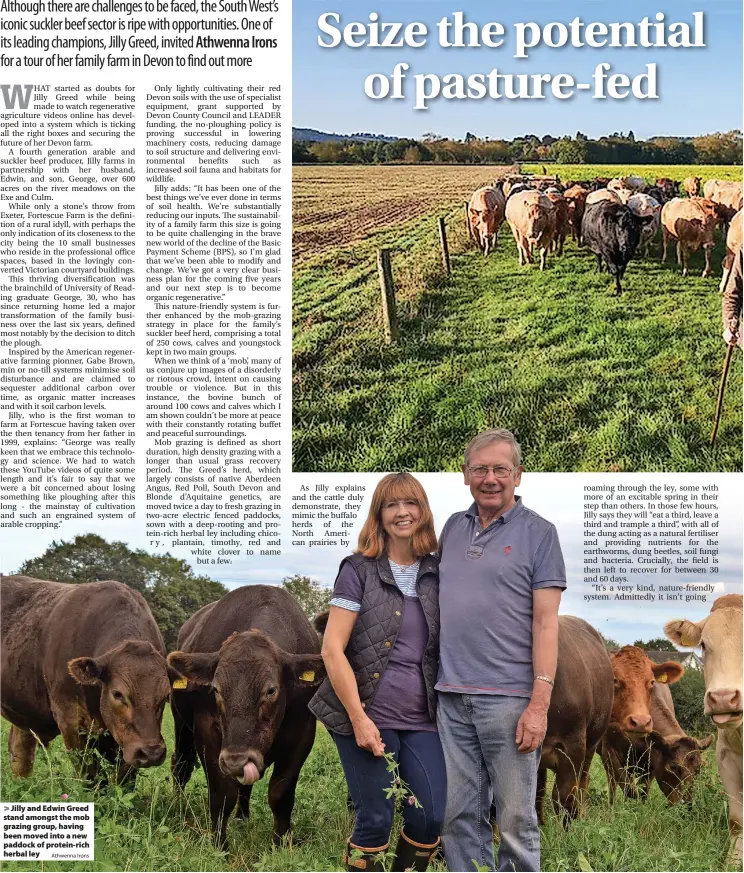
{"x": 370, "y": 859}
{"x": 413, "y": 856}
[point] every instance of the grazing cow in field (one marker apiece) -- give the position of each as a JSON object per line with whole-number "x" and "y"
{"x": 600, "y": 194}
{"x": 642, "y": 205}
{"x": 733, "y": 246}
{"x": 251, "y": 662}
{"x": 531, "y": 216}
{"x": 719, "y": 635}
{"x": 578, "y": 716}
{"x": 576, "y": 196}
{"x": 486, "y": 208}
{"x": 86, "y": 661}
{"x": 669, "y": 186}
{"x": 612, "y": 233}
{"x": 562, "y": 223}
{"x": 692, "y": 186}
{"x": 666, "y": 754}
{"x": 691, "y": 221}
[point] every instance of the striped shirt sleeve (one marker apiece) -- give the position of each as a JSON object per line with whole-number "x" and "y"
{"x": 347, "y": 591}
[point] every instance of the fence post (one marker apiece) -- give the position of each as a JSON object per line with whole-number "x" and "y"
{"x": 445, "y": 247}
{"x": 387, "y": 289}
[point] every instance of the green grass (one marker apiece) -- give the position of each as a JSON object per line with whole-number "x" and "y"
{"x": 587, "y": 381}
{"x": 650, "y": 172}
{"x": 152, "y": 828}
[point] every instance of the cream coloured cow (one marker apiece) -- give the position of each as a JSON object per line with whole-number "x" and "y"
{"x": 641, "y": 205}
{"x": 733, "y": 245}
{"x": 719, "y": 635}
{"x": 486, "y": 209}
{"x": 691, "y": 221}
{"x": 531, "y": 216}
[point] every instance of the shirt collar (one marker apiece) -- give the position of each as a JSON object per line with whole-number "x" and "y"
{"x": 472, "y": 512}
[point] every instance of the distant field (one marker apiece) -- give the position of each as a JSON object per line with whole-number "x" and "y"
{"x": 152, "y": 827}
{"x": 586, "y": 380}
{"x": 650, "y": 172}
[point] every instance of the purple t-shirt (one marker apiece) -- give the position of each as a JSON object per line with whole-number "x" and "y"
{"x": 401, "y": 700}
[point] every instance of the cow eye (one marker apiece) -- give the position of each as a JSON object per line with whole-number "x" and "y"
{"x": 618, "y": 685}
{"x": 117, "y": 695}
{"x": 271, "y": 691}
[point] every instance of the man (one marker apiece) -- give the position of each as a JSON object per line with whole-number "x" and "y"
{"x": 501, "y": 578}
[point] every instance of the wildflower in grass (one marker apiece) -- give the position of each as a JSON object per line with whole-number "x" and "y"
{"x": 65, "y": 796}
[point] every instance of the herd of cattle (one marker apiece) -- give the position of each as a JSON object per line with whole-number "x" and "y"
{"x": 611, "y": 217}
{"x": 88, "y": 662}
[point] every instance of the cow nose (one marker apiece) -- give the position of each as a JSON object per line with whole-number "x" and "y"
{"x": 234, "y": 763}
{"x": 640, "y": 724}
{"x": 723, "y": 700}
{"x": 150, "y": 755}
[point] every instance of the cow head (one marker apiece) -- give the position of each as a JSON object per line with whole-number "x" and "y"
{"x": 635, "y": 676}
{"x": 719, "y": 635}
{"x": 675, "y": 762}
{"x": 253, "y": 682}
{"x": 133, "y": 680}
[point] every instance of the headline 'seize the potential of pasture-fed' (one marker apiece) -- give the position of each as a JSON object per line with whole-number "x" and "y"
{"x": 588, "y": 381}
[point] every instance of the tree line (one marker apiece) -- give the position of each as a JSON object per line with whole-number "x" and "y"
{"x": 619, "y": 148}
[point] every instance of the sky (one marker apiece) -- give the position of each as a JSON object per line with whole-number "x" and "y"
{"x": 700, "y": 88}
{"x": 559, "y": 497}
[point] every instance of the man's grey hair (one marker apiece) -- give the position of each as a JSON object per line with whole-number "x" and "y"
{"x": 496, "y": 435}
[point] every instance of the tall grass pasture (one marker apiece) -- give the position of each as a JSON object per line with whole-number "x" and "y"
{"x": 587, "y": 381}
{"x": 153, "y": 827}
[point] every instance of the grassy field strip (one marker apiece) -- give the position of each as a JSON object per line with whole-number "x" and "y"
{"x": 154, "y": 828}
{"x": 588, "y": 381}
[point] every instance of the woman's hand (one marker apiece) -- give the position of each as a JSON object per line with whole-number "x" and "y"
{"x": 367, "y": 736}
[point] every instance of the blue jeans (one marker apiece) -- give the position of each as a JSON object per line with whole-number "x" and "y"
{"x": 478, "y": 737}
{"x": 421, "y": 767}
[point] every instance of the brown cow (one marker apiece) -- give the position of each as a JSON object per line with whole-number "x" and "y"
{"x": 252, "y": 662}
{"x": 692, "y": 186}
{"x": 578, "y": 716}
{"x": 635, "y": 676}
{"x": 486, "y": 209}
{"x": 691, "y": 222}
{"x": 86, "y": 661}
{"x": 562, "y": 223}
{"x": 669, "y": 187}
{"x": 727, "y": 196}
{"x": 666, "y": 754}
{"x": 576, "y": 196}
{"x": 531, "y": 217}
{"x": 719, "y": 635}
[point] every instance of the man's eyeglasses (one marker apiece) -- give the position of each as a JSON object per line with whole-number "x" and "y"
{"x": 481, "y": 471}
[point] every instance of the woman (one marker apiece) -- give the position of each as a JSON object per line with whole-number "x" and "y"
{"x": 381, "y": 652}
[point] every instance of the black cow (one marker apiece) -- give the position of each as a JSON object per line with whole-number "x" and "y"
{"x": 612, "y": 232}
{"x": 251, "y": 662}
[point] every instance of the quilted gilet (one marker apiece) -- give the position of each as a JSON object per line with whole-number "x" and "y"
{"x": 374, "y": 634}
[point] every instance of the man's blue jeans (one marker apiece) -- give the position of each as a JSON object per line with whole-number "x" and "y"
{"x": 478, "y": 738}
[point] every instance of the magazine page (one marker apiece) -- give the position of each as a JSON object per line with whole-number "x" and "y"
{"x": 448, "y": 577}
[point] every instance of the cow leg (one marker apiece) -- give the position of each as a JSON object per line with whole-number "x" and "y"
{"x": 543, "y": 257}
{"x": 291, "y": 751}
{"x": 244, "y": 802}
{"x": 223, "y": 795}
{"x": 707, "y": 271}
{"x": 685, "y": 260}
{"x": 183, "y": 759}
{"x": 665, "y": 243}
{"x": 542, "y": 779}
{"x": 599, "y": 263}
{"x": 22, "y": 749}
{"x": 612, "y": 768}
{"x": 567, "y": 778}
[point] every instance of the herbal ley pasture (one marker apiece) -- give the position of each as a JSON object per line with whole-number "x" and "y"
{"x": 586, "y": 380}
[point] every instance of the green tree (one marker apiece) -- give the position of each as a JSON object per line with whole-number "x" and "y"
{"x": 169, "y": 585}
{"x": 660, "y": 644}
{"x": 312, "y": 596}
{"x": 688, "y": 695}
{"x": 609, "y": 644}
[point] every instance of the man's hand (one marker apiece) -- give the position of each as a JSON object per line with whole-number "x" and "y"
{"x": 531, "y": 728}
{"x": 368, "y": 737}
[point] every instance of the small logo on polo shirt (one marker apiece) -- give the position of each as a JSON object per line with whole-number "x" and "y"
{"x": 507, "y": 549}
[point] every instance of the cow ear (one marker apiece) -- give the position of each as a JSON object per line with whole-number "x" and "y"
{"x": 305, "y": 671}
{"x": 668, "y": 672}
{"x": 87, "y": 671}
{"x": 198, "y": 668}
{"x": 703, "y": 744}
{"x": 684, "y": 632}
{"x": 320, "y": 621}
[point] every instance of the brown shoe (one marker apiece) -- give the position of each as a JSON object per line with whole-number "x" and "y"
{"x": 413, "y": 856}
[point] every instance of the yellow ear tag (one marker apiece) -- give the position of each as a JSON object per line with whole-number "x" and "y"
{"x": 180, "y": 683}
{"x": 307, "y": 676}
{"x": 662, "y": 678}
